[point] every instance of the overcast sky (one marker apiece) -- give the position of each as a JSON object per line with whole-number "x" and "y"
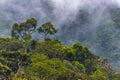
{"x": 56, "y": 11}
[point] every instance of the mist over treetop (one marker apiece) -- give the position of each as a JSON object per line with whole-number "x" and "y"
{"x": 49, "y": 10}
{"x": 93, "y": 22}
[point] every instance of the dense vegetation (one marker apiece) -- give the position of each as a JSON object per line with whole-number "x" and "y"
{"x": 102, "y": 38}
{"x": 23, "y": 58}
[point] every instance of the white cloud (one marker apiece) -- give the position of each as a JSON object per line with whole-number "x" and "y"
{"x": 62, "y": 10}
{"x": 2, "y": 2}
{"x": 118, "y": 2}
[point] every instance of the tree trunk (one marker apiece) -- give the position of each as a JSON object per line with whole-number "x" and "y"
{"x": 18, "y": 71}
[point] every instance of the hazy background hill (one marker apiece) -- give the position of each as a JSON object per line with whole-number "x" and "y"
{"x": 94, "y": 23}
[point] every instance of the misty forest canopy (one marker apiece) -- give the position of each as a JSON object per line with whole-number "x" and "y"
{"x": 23, "y": 58}
{"x": 25, "y": 29}
{"x": 95, "y": 23}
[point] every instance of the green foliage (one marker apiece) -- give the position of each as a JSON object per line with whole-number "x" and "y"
{"x": 83, "y": 55}
{"x": 10, "y": 44}
{"x": 70, "y": 54}
{"x": 24, "y": 30}
{"x": 54, "y": 69}
{"x": 52, "y": 48}
{"x": 44, "y": 68}
{"x": 98, "y": 75}
{"x": 47, "y": 29}
{"x": 13, "y": 61}
{"x": 82, "y": 52}
{"x": 81, "y": 67}
{"x": 4, "y": 71}
{"x": 48, "y": 59}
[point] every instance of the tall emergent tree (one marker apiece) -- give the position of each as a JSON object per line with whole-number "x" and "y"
{"x": 25, "y": 29}
{"x": 47, "y": 29}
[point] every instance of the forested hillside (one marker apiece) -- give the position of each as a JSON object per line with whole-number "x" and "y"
{"x": 24, "y": 58}
{"x": 95, "y": 23}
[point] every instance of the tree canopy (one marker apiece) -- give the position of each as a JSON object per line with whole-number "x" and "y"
{"x": 48, "y": 59}
{"x": 47, "y": 29}
{"x": 24, "y": 29}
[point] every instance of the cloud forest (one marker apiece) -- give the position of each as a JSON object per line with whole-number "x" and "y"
{"x": 59, "y": 40}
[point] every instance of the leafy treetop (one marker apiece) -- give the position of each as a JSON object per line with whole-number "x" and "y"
{"x": 25, "y": 29}
{"x": 47, "y": 29}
